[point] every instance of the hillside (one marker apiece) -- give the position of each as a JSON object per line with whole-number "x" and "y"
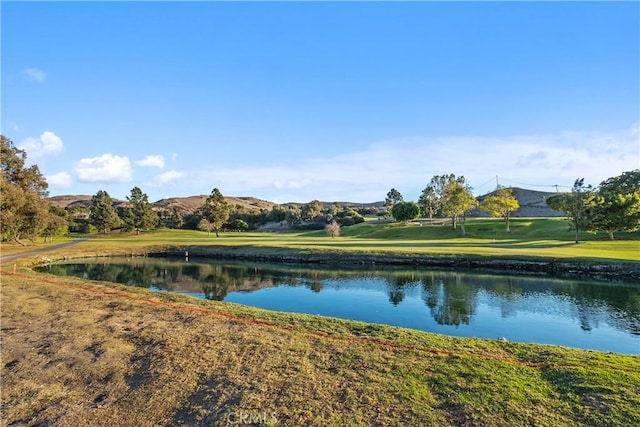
{"x": 77, "y": 201}
{"x": 354, "y": 205}
{"x": 191, "y": 204}
{"x": 532, "y": 204}
{"x": 185, "y": 205}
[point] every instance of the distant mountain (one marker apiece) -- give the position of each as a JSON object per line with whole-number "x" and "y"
{"x": 193, "y": 203}
{"x": 355, "y": 205}
{"x": 185, "y": 205}
{"x": 78, "y": 201}
{"x": 532, "y": 204}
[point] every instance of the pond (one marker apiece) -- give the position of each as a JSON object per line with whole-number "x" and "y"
{"x": 575, "y": 313}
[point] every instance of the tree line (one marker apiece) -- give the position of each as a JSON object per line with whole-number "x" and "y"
{"x": 612, "y": 206}
{"x": 213, "y": 216}
{"x": 449, "y": 196}
{"x": 26, "y": 214}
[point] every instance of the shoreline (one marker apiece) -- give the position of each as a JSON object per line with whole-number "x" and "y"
{"x": 598, "y": 270}
{"x": 569, "y": 268}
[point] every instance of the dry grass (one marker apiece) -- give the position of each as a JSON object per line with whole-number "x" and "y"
{"x": 85, "y": 353}
{"x": 72, "y": 357}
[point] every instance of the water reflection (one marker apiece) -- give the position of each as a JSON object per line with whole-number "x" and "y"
{"x": 471, "y": 304}
{"x": 450, "y": 304}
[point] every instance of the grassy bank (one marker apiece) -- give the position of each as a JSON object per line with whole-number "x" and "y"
{"x": 87, "y": 353}
{"x": 542, "y": 238}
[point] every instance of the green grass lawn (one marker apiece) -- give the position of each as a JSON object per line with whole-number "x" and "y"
{"x": 529, "y": 238}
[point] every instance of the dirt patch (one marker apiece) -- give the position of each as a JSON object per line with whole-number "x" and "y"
{"x": 212, "y": 402}
{"x": 596, "y": 402}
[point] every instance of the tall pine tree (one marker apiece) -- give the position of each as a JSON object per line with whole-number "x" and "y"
{"x": 102, "y": 214}
{"x": 142, "y": 216}
{"x": 216, "y": 210}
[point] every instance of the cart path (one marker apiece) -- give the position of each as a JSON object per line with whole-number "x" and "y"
{"x": 37, "y": 251}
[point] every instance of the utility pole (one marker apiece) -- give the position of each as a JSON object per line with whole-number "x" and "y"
{"x": 556, "y": 187}
{"x": 497, "y": 183}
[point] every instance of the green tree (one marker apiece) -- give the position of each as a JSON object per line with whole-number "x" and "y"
{"x": 142, "y": 215}
{"x": 125, "y": 214}
{"x": 311, "y": 210}
{"x": 500, "y": 204}
{"x": 277, "y": 214}
{"x": 216, "y": 210}
{"x": 78, "y": 216}
{"x": 177, "y": 219}
{"x": 36, "y": 216}
{"x": 577, "y": 205}
{"x": 627, "y": 182}
{"x": 102, "y": 214}
{"x": 57, "y": 223}
{"x": 24, "y": 212}
{"x": 293, "y": 215}
{"x": 457, "y": 200}
{"x": 348, "y": 216}
{"x": 428, "y": 202}
{"x": 239, "y": 225}
{"x": 405, "y": 211}
{"x": 434, "y": 193}
{"x": 617, "y": 204}
{"x": 393, "y": 197}
{"x": 334, "y": 209}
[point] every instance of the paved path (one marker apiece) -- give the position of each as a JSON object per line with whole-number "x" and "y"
{"x": 39, "y": 250}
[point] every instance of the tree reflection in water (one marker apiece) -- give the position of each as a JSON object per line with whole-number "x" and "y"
{"x": 451, "y": 297}
{"x": 214, "y": 289}
{"x": 451, "y": 303}
{"x": 398, "y": 283}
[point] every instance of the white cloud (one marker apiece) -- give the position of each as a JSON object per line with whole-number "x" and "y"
{"x": 535, "y": 162}
{"x": 34, "y": 74}
{"x": 152, "y": 162}
{"x": 14, "y": 126}
{"x": 48, "y": 143}
{"x": 292, "y": 184}
{"x": 59, "y": 180}
{"x": 166, "y": 178}
{"x": 107, "y": 168}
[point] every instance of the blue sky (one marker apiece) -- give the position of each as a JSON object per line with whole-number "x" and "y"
{"x": 341, "y": 101}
